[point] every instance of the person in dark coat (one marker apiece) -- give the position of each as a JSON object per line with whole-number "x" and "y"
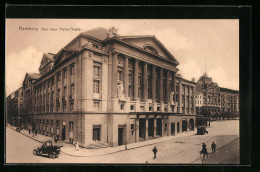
{"x": 154, "y": 152}
{"x": 36, "y": 131}
{"x": 213, "y": 146}
{"x": 29, "y": 131}
{"x": 204, "y": 149}
{"x": 55, "y": 138}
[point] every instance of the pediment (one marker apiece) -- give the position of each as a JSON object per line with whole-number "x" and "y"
{"x": 150, "y": 44}
{"x": 46, "y": 59}
{"x": 62, "y": 55}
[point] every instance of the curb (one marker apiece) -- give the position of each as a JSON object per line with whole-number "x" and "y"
{"x": 105, "y": 153}
{"x": 120, "y": 150}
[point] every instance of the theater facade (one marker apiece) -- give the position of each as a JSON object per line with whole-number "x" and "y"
{"x": 111, "y": 89}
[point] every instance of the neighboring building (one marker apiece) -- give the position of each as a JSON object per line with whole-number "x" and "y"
{"x": 28, "y": 90}
{"x": 109, "y": 88}
{"x": 229, "y": 100}
{"x": 198, "y": 101}
{"x": 216, "y": 99}
{"x": 14, "y": 106}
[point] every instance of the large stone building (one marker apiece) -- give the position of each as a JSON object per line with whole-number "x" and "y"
{"x": 109, "y": 88}
{"x": 216, "y": 99}
{"x": 14, "y": 104}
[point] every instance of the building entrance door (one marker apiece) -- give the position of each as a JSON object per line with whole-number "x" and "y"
{"x": 159, "y": 127}
{"x": 172, "y": 128}
{"x": 151, "y": 127}
{"x": 184, "y": 125}
{"x": 120, "y": 136}
{"x": 142, "y": 128}
{"x": 96, "y": 133}
{"x": 63, "y": 132}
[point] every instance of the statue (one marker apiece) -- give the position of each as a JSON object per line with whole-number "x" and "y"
{"x": 120, "y": 91}
{"x": 112, "y": 32}
{"x": 171, "y": 97}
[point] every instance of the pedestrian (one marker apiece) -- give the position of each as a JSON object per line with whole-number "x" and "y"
{"x": 29, "y": 131}
{"x": 36, "y": 131}
{"x": 154, "y": 152}
{"x": 55, "y": 138}
{"x": 204, "y": 149}
{"x": 77, "y": 146}
{"x": 213, "y": 146}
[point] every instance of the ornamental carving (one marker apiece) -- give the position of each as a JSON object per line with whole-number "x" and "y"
{"x": 171, "y": 98}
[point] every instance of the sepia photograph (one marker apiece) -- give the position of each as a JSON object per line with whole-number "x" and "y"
{"x": 122, "y": 91}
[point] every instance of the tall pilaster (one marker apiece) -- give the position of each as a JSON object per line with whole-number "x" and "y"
{"x": 167, "y": 87}
{"x": 126, "y": 76}
{"x": 161, "y": 85}
{"x": 136, "y": 79}
{"x": 114, "y": 75}
{"x": 55, "y": 92}
{"x": 145, "y": 86}
{"x": 153, "y": 84}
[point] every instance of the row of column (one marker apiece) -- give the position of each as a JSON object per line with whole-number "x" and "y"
{"x": 145, "y": 79}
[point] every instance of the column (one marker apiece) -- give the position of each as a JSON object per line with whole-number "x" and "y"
{"x": 146, "y": 128}
{"x": 161, "y": 85}
{"x": 167, "y": 86}
{"x": 55, "y": 93}
{"x": 174, "y": 85}
{"x": 145, "y": 86}
{"x": 126, "y": 76}
{"x": 136, "y": 129}
{"x": 68, "y": 89}
{"x": 193, "y": 99}
{"x": 153, "y": 84}
{"x": 136, "y": 79}
{"x": 154, "y": 127}
{"x": 114, "y": 75}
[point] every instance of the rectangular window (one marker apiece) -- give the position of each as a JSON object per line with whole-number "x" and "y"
{"x": 51, "y": 122}
{"x": 122, "y": 105}
{"x": 57, "y": 123}
{"x": 65, "y": 73}
{"x": 59, "y": 76}
{"x": 132, "y": 129}
{"x": 58, "y": 107}
{"x": 58, "y": 93}
{"x": 119, "y": 75}
{"x": 96, "y": 86}
{"x": 96, "y": 71}
{"x": 132, "y": 107}
{"x": 64, "y": 107}
{"x": 97, "y": 105}
{"x": 72, "y": 69}
{"x": 72, "y": 89}
{"x": 71, "y": 125}
{"x": 71, "y": 106}
{"x": 65, "y": 91}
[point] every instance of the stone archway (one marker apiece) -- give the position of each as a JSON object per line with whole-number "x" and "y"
{"x": 191, "y": 124}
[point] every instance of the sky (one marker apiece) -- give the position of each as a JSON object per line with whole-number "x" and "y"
{"x": 210, "y": 45}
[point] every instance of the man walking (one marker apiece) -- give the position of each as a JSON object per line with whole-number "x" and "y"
{"x": 154, "y": 152}
{"x": 213, "y": 146}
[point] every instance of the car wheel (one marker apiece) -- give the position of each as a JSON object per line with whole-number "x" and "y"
{"x": 52, "y": 156}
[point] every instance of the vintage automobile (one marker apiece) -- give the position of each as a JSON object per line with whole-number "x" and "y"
{"x": 201, "y": 130}
{"x": 48, "y": 149}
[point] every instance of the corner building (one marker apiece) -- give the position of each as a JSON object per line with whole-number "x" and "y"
{"x": 111, "y": 89}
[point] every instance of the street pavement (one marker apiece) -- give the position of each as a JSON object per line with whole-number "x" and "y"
{"x": 172, "y": 150}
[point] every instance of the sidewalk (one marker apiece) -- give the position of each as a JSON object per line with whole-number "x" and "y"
{"x": 69, "y": 149}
